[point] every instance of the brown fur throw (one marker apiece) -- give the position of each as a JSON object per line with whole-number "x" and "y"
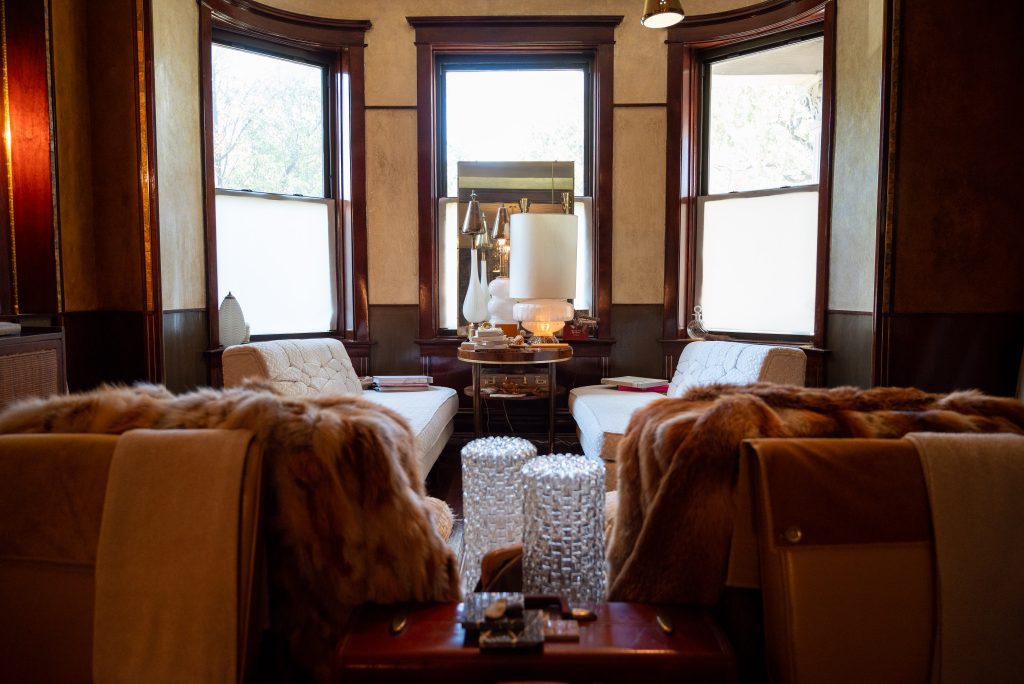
{"x": 347, "y": 519}
{"x": 679, "y": 458}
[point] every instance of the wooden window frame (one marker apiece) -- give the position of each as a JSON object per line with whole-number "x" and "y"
{"x": 592, "y": 36}
{"x": 687, "y": 44}
{"x": 339, "y": 44}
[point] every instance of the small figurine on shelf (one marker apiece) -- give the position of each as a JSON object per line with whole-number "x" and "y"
{"x": 581, "y": 327}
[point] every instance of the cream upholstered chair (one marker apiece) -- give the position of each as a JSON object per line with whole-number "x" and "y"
{"x": 603, "y": 412}
{"x": 300, "y": 367}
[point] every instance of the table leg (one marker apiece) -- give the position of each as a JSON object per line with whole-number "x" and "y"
{"x": 552, "y": 393}
{"x": 477, "y": 427}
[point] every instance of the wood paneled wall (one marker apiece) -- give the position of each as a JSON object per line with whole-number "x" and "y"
{"x": 29, "y": 262}
{"x": 950, "y": 299}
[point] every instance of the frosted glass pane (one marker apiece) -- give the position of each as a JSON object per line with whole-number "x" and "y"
{"x": 276, "y": 257}
{"x": 758, "y": 257}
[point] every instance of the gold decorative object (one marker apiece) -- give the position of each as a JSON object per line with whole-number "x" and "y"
{"x": 661, "y": 13}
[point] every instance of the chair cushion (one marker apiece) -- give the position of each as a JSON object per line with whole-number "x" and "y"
{"x": 431, "y": 414}
{"x": 737, "y": 363}
{"x": 602, "y": 414}
{"x": 294, "y": 367}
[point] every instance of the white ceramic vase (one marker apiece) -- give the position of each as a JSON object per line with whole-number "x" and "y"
{"x": 233, "y": 329}
{"x": 474, "y": 306}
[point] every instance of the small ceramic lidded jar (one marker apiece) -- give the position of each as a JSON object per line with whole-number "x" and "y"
{"x": 233, "y": 329}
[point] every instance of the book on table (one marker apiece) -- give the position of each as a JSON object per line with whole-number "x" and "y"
{"x": 635, "y": 382}
{"x": 403, "y": 379}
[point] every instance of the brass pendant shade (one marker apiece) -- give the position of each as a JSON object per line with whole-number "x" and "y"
{"x": 662, "y": 13}
{"x": 474, "y": 222}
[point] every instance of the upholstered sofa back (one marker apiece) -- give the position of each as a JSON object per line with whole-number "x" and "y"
{"x": 737, "y": 363}
{"x": 294, "y": 367}
{"x": 54, "y": 510}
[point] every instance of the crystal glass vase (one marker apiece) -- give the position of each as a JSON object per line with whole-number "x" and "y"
{"x": 492, "y": 498}
{"x": 563, "y": 537}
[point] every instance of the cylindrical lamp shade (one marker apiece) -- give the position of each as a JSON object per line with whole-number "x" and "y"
{"x": 563, "y": 534}
{"x": 492, "y": 498}
{"x": 543, "y": 259}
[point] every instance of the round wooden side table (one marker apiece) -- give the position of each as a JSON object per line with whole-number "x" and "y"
{"x": 548, "y": 356}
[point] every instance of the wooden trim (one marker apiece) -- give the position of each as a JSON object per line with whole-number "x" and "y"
{"x": 604, "y": 91}
{"x": 391, "y": 107}
{"x": 744, "y": 22}
{"x": 683, "y": 138}
{"x": 149, "y": 214}
{"x": 678, "y": 61}
{"x": 846, "y": 312}
{"x": 208, "y": 176}
{"x": 881, "y": 325}
{"x": 341, "y": 44}
{"x": 359, "y": 260}
{"x": 559, "y": 30}
{"x": 590, "y": 35}
{"x": 426, "y": 155}
{"x": 828, "y": 140}
{"x": 627, "y": 105}
{"x": 261, "y": 21}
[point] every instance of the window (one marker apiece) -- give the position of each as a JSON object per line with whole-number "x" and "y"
{"x": 748, "y": 242}
{"x": 539, "y": 111}
{"x": 484, "y": 88}
{"x": 275, "y": 214}
{"x": 757, "y": 215}
{"x": 285, "y": 207}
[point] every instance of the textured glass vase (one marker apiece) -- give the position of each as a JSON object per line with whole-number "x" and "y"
{"x": 492, "y": 498}
{"x": 563, "y": 535}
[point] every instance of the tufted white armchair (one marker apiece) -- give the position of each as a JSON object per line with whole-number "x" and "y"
{"x": 602, "y": 413}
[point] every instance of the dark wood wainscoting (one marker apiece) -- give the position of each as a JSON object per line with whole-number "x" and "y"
{"x": 185, "y": 337}
{"x": 393, "y": 329}
{"x": 108, "y": 347}
{"x": 636, "y": 329}
{"x": 946, "y": 352}
{"x": 849, "y": 345}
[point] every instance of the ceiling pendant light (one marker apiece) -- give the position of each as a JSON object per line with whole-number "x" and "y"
{"x": 661, "y": 13}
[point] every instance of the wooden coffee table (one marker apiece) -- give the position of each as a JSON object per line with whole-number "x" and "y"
{"x": 548, "y": 356}
{"x": 624, "y": 644}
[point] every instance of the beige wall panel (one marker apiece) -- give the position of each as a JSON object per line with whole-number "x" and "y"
{"x": 176, "y": 73}
{"x": 391, "y": 55}
{"x": 638, "y": 243}
{"x": 392, "y": 222}
{"x": 860, "y": 29}
{"x": 74, "y": 169}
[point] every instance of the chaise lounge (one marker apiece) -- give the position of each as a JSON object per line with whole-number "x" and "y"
{"x": 321, "y": 366}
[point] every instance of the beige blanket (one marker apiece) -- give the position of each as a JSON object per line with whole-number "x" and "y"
{"x": 678, "y": 468}
{"x": 167, "y": 584}
{"x": 976, "y": 490}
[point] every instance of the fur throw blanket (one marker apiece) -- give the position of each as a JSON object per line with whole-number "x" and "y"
{"x": 678, "y": 464}
{"x": 346, "y": 517}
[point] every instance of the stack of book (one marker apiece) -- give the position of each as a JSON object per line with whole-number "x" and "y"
{"x": 401, "y": 383}
{"x": 633, "y": 383}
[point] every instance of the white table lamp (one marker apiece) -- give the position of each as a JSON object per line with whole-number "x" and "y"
{"x": 542, "y": 271}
